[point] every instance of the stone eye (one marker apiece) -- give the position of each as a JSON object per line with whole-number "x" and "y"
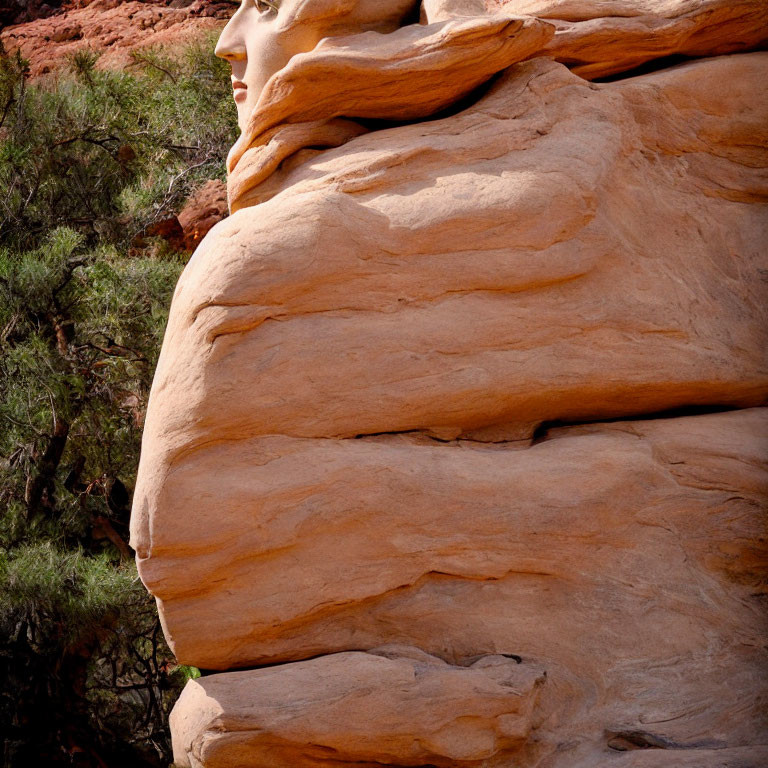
{"x": 263, "y": 6}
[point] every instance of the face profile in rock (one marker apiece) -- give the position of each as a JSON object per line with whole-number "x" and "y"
{"x": 264, "y": 35}
{"x": 306, "y": 72}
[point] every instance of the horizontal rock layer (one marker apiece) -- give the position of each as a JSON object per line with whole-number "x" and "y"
{"x": 598, "y": 38}
{"x": 627, "y": 560}
{"x": 487, "y": 271}
{"x": 659, "y": 499}
{"x": 393, "y": 706}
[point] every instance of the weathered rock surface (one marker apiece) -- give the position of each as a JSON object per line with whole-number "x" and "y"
{"x": 584, "y": 509}
{"x": 113, "y": 28}
{"x": 353, "y": 435}
{"x": 393, "y": 706}
{"x": 384, "y": 291}
{"x": 677, "y": 757}
{"x": 598, "y": 38}
{"x": 626, "y": 559}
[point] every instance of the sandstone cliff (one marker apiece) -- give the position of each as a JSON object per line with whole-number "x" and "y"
{"x": 457, "y": 423}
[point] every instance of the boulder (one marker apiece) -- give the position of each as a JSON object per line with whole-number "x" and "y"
{"x": 392, "y": 705}
{"x": 206, "y": 207}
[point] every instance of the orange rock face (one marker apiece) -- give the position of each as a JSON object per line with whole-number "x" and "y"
{"x": 393, "y": 705}
{"x": 458, "y": 423}
{"x": 598, "y": 38}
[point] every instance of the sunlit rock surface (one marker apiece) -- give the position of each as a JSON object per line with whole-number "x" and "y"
{"x": 486, "y": 387}
{"x": 393, "y": 705}
{"x": 603, "y": 37}
{"x": 624, "y": 559}
{"x": 112, "y": 28}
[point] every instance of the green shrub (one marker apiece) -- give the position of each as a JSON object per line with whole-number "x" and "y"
{"x": 87, "y": 163}
{"x": 76, "y": 151}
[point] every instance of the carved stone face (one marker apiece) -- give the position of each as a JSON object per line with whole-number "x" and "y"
{"x": 264, "y": 35}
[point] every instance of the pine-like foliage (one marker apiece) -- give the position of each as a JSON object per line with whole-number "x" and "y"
{"x": 87, "y": 164}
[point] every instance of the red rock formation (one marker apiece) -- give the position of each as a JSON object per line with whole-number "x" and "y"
{"x": 111, "y": 27}
{"x": 19, "y": 11}
{"x": 206, "y": 206}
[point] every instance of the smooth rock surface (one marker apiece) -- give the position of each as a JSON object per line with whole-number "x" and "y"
{"x": 363, "y": 76}
{"x": 598, "y": 38}
{"x": 393, "y": 706}
{"x": 352, "y": 438}
{"x": 560, "y": 250}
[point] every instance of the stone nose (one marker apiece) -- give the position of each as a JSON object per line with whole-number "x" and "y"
{"x": 231, "y": 44}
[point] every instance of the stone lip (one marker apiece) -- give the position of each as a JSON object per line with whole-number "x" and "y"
{"x": 392, "y": 705}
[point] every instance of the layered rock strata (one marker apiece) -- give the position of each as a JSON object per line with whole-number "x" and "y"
{"x": 598, "y": 38}
{"x": 405, "y": 298}
{"x": 392, "y": 705}
{"x": 458, "y": 429}
{"x": 623, "y": 559}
